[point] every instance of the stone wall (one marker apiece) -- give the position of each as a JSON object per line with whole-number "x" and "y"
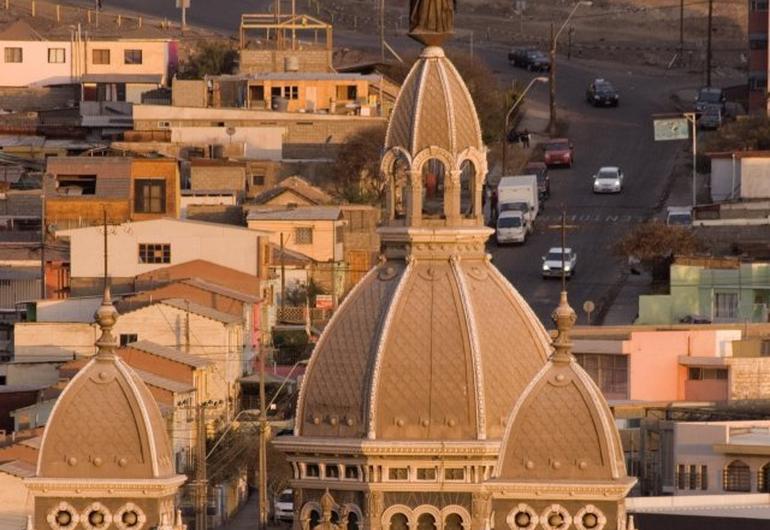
{"x": 38, "y": 98}
{"x": 749, "y": 378}
{"x": 189, "y": 93}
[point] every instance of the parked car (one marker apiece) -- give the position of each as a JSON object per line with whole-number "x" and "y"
{"x": 529, "y": 58}
{"x": 543, "y": 179}
{"x": 602, "y": 92}
{"x": 552, "y": 263}
{"x": 679, "y": 215}
{"x": 559, "y": 152}
{"x": 710, "y": 118}
{"x": 608, "y": 179}
{"x": 710, "y": 95}
{"x": 283, "y": 507}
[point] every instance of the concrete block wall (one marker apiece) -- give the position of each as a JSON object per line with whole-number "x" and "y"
{"x": 257, "y": 61}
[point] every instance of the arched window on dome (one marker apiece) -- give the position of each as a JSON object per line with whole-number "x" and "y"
{"x": 453, "y": 521}
{"x": 426, "y": 521}
{"x": 433, "y": 180}
{"x": 353, "y": 523}
{"x": 400, "y": 186}
{"x": 737, "y": 477}
{"x": 467, "y": 188}
{"x": 315, "y": 518}
{"x": 399, "y": 521}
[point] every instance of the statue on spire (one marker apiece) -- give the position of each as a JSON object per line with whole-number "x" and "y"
{"x": 431, "y": 22}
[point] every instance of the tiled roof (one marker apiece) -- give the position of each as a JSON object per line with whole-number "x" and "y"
{"x": 169, "y": 353}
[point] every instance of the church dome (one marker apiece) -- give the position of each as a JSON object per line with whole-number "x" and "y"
{"x": 106, "y": 423}
{"x": 428, "y": 348}
{"x": 434, "y": 108}
{"x": 561, "y": 428}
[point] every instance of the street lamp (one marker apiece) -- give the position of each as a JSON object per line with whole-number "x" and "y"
{"x": 552, "y": 70}
{"x": 510, "y": 112}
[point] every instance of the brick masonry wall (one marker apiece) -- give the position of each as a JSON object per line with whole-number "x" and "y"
{"x": 749, "y": 378}
{"x": 218, "y": 178}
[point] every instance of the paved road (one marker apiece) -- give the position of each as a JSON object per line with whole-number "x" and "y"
{"x": 621, "y": 136}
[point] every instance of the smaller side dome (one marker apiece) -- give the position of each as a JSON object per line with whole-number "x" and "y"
{"x": 561, "y": 428}
{"x": 106, "y": 423}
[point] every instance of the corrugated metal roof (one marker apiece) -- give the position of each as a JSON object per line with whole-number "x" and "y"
{"x": 18, "y": 468}
{"x": 162, "y": 382}
{"x": 308, "y": 213}
{"x": 213, "y": 314}
{"x": 169, "y": 353}
{"x": 224, "y": 291}
{"x": 298, "y": 76}
{"x": 123, "y": 78}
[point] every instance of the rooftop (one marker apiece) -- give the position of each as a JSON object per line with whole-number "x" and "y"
{"x": 164, "y": 383}
{"x": 165, "y": 352}
{"x": 301, "y": 213}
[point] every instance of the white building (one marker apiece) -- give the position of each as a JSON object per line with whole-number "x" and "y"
{"x": 32, "y": 59}
{"x": 144, "y": 246}
{"x": 721, "y": 457}
{"x": 740, "y": 175}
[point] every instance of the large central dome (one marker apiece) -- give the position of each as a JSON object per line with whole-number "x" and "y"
{"x": 425, "y": 350}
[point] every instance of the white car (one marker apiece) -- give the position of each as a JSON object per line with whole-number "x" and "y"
{"x": 283, "y": 507}
{"x": 553, "y": 261}
{"x": 608, "y": 179}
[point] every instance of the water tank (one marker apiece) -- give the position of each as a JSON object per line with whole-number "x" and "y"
{"x": 291, "y": 63}
{"x": 279, "y": 104}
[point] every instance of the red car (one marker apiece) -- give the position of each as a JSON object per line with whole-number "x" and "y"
{"x": 559, "y": 152}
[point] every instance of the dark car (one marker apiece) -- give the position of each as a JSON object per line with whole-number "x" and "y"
{"x": 601, "y": 92}
{"x": 710, "y": 117}
{"x": 543, "y": 180}
{"x": 710, "y": 96}
{"x": 529, "y": 58}
{"x": 558, "y": 152}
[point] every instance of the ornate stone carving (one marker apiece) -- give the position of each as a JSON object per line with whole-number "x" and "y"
{"x": 522, "y": 517}
{"x": 375, "y": 505}
{"x": 589, "y": 517}
{"x": 63, "y": 516}
{"x": 129, "y": 517}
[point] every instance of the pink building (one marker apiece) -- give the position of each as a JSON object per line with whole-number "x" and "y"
{"x": 677, "y": 363}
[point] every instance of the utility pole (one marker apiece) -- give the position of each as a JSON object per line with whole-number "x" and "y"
{"x": 552, "y": 86}
{"x": 708, "y": 43}
{"x": 263, "y": 433}
{"x": 283, "y": 278}
{"x": 382, "y": 31}
{"x": 201, "y": 477}
{"x": 187, "y": 327}
{"x": 43, "y": 292}
{"x": 681, "y": 30}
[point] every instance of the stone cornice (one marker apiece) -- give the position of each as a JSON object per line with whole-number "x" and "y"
{"x": 65, "y": 487}
{"x": 596, "y": 491}
{"x": 360, "y": 447}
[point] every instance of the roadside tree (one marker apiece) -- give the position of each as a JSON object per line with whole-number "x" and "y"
{"x": 210, "y": 57}
{"x": 654, "y": 245}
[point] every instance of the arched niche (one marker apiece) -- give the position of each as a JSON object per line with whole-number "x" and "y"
{"x": 468, "y": 188}
{"x": 433, "y": 176}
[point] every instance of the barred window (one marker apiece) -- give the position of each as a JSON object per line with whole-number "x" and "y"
{"x": 694, "y": 477}
{"x": 704, "y": 477}
{"x": 154, "y": 253}
{"x": 737, "y": 477}
{"x": 681, "y": 476}
{"x": 303, "y": 236}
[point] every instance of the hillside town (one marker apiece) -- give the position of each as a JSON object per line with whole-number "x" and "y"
{"x": 349, "y": 265}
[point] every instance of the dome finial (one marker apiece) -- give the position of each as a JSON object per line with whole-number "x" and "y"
{"x": 106, "y": 315}
{"x": 564, "y": 317}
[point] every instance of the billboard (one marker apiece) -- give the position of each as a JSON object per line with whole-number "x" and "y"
{"x": 671, "y": 129}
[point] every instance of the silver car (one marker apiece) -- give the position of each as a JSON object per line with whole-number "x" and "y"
{"x": 552, "y": 263}
{"x": 608, "y": 179}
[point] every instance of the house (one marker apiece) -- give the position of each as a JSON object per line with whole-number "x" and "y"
{"x": 293, "y": 191}
{"x": 141, "y": 247}
{"x": 107, "y": 68}
{"x": 740, "y": 175}
{"x": 758, "y": 63}
{"x": 715, "y": 289}
{"x": 81, "y": 189}
{"x": 247, "y": 178}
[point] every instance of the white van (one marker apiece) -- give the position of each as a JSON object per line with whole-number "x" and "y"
{"x": 512, "y": 227}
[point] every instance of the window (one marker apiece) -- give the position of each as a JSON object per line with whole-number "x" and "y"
{"x": 351, "y": 472}
{"x": 693, "y": 477}
{"x": 433, "y": 172}
{"x": 291, "y": 92}
{"x": 758, "y": 5}
{"x": 76, "y": 184}
{"x": 56, "y": 55}
{"x": 398, "y": 521}
{"x": 737, "y": 477}
{"x": 426, "y": 473}
{"x": 681, "y": 476}
{"x": 453, "y": 521}
{"x": 704, "y": 477}
{"x": 303, "y": 236}
{"x": 258, "y": 179}
{"x": 467, "y": 188}
{"x": 726, "y": 305}
{"x": 128, "y": 338}
{"x": 763, "y": 479}
{"x": 398, "y": 473}
{"x": 426, "y": 522}
{"x": 149, "y": 196}
{"x": 132, "y": 56}
{"x": 347, "y": 92}
{"x": 454, "y": 473}
{"x": 332, "y": 471}
{"x": 3, "y": 379}
{"x": 13, "y": 55}
{"x": 100, "y": 56}
{"x": 701, "y": 374}
{"x": 154, "y": 253}
{"x": 312, "y": 470}
{"x": 339, "y": 233}
{"x": 609, "y": 372}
